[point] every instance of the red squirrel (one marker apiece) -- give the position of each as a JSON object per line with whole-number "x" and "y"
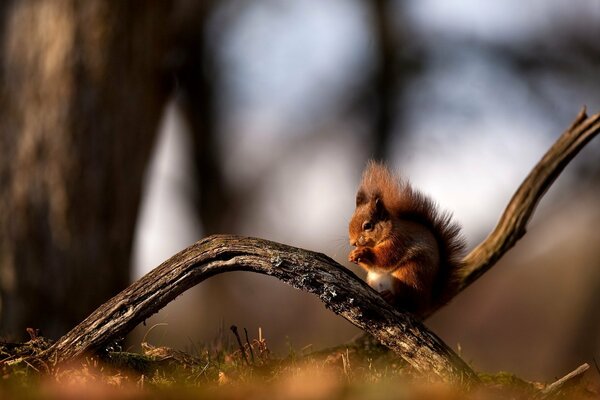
{"x": 410, "y": 250}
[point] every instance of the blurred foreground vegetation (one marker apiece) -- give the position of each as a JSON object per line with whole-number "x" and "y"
{"x": 361, "y": 369}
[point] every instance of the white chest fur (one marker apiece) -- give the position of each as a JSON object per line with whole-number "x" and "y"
{"x": 380, "y": 281}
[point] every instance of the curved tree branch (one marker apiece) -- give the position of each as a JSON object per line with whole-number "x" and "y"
{"x": 341, "y": 291}
{"x": 513, "y": 223}
{"x": 337, "y": 287}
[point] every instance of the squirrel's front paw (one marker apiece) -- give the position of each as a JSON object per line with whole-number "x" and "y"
{"x": 360, "y": 255}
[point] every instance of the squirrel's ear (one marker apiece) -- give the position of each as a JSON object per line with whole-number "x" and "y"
{"x": 361, "y": 198}
{"x": 380, "y": 210}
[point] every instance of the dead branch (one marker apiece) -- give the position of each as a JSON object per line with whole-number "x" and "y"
{"x": 566, "y": 381}
{"x": 341, "y": 291}
{"x": 513, "y": 223}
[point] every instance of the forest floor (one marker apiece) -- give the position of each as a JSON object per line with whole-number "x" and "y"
{"x": 362, "y": 369}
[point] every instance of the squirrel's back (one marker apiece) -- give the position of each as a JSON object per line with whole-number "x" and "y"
{"x": 403, "y": 202}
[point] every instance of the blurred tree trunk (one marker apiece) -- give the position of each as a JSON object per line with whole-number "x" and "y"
{"x": 82, "y": 90}
{"x": 394, "y": 64}
{"x": 385, "y": 77}
{"x": 198, "y": 79}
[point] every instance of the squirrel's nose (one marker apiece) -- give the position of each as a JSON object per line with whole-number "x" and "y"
{"x": 352, "y": 243}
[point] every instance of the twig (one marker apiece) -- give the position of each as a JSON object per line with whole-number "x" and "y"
{"x": 237, "y": 336}
{"x": 249, "y": 345}
{"x": 567, "y": 380}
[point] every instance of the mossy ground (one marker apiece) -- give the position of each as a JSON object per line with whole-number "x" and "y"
{"x": 359, "y": 370}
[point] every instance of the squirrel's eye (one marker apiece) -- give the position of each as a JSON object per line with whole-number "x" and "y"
{"x": 367, "y": 226}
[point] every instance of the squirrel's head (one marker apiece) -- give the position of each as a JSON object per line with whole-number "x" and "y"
{"x": 370, "y": 223}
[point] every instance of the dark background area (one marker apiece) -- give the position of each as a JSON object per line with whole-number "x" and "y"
{"x": 130, "y": 129}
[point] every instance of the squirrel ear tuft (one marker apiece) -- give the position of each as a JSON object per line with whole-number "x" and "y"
{"x": 361, "y": 198}
{"x": 380, "y": 210}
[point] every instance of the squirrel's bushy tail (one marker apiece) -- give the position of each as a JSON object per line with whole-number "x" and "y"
{"x": 405, "y": 202}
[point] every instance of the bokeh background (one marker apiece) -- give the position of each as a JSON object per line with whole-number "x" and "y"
{"x": 131, "y": 129}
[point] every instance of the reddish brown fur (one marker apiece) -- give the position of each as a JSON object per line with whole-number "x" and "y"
{"x": 407, "y": 237}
